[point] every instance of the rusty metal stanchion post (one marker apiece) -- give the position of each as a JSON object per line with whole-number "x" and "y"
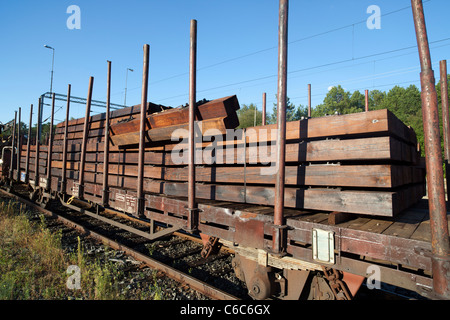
{"x": 367, "y": 100}
{"x": 105, "y": 190}
{"x": 435, "y": 178}
{"x": 143, "y": 119}
{"x": 445, "y": 120}
{"x": 13, "y": 142}
{"x": 264, "y": 109}
{"x": 19, "y": 145}
{"x": 64, "y": 156}
{"x": 309, "y": 100}
{"x": 192, "y": 221}
{"x": 85, "y": 138}
{"x": 27, "y": 157}
{"x": 50, "y": 147}
{"x": 36, "y": 162}
{"x": 278, "y": 245}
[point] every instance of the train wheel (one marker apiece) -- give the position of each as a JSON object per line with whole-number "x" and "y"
{"x": 43, "y": 200}
{"x": 34, "y": 194}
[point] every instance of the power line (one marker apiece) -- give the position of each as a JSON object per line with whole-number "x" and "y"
{"x": 307, "y": 69}
{"x": 275, "y": 47}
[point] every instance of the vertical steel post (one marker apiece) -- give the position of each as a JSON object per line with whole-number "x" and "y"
{"x": 440, "y": 257}
{"x": 85, "y": 137}
{"x": 309, "y": 100}
{"x": 192, "y": 220}
{"x": 50, "y": 146}
{"x": 41, "y": 111}
{"x": 278, "y": 234}
{"x": 445, "y": 120}
{"x": 38, "y": 130}
{"x": 13, "y": 142}
{"x": 105, "y": 191}
{"x": 19, "y": 145}
{"x": 264, "y": 109}
{"x": 27, "y": 159}
{"x": 367, "y": 100}
{"x": 66, "y": 131}
{"x": 143, "y": 119}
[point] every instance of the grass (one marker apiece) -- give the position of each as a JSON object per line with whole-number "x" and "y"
{"x": 33, "y": 264}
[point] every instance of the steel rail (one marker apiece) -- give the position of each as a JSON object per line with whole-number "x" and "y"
{"x": 173, "y": 273}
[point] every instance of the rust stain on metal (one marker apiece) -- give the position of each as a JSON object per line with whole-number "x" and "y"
{"x": 436, "y": 195}
{"x": 245, "y": 215}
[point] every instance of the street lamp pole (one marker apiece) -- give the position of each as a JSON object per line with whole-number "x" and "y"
{"x": 41, "y": 106}
{"x": 126, "y": 82}
{"x": 53, "y": 63}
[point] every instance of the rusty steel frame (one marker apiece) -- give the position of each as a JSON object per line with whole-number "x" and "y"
{"x": 445, "y": 120}
{"x": 192, "y": 218}
{"x": 264, "y": 109}
{"x": 27, "y": 157}
{"x": 309, "y": 101}
{"x": 278, "y": 220}
{"x": 36, "y": 163}
{"x": 50, "y": 146}
{"x": 105, "y": 191}
{"x": 64, "y": 155}
{"x": 85, "y": 138}
{"x": 143, "y": 113}
{"x": 11, "y": 162}
{"x": 19, "y": 146}
{"x": 435, "y": 176}
{"x": 366, "y": 100}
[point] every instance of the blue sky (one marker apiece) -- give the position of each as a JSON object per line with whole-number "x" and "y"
{"x": 330, "y": 44}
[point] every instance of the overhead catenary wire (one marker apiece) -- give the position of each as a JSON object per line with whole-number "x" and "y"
{"x": 256, "y": 52}
{"x": 305, "y": 69}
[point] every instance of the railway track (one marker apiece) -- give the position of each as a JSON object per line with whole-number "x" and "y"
{"x": 175, "y": 256}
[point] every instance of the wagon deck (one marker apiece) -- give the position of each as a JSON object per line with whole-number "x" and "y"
{"x": 395, "y": 244}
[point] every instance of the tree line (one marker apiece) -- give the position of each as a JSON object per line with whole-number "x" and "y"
{"x": 404, "y": 103}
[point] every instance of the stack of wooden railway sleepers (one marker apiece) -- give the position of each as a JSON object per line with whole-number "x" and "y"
{"x": 364, "y": 163}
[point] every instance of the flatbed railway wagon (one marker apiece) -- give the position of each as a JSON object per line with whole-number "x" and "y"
{"x": 344, "y": 205}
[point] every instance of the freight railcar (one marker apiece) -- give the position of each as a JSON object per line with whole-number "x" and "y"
{"x": 312, "y": 208}
{"x": 353, "y": 205}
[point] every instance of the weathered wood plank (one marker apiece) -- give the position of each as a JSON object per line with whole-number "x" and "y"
{"x": 219, "y": 108}
{"x": 378, "y": 121}
{"x": 382, "y": 203}
{"x": 375, "y": 176}
{"x": 220, "y": 125}
{"x": 380, "y": 148}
